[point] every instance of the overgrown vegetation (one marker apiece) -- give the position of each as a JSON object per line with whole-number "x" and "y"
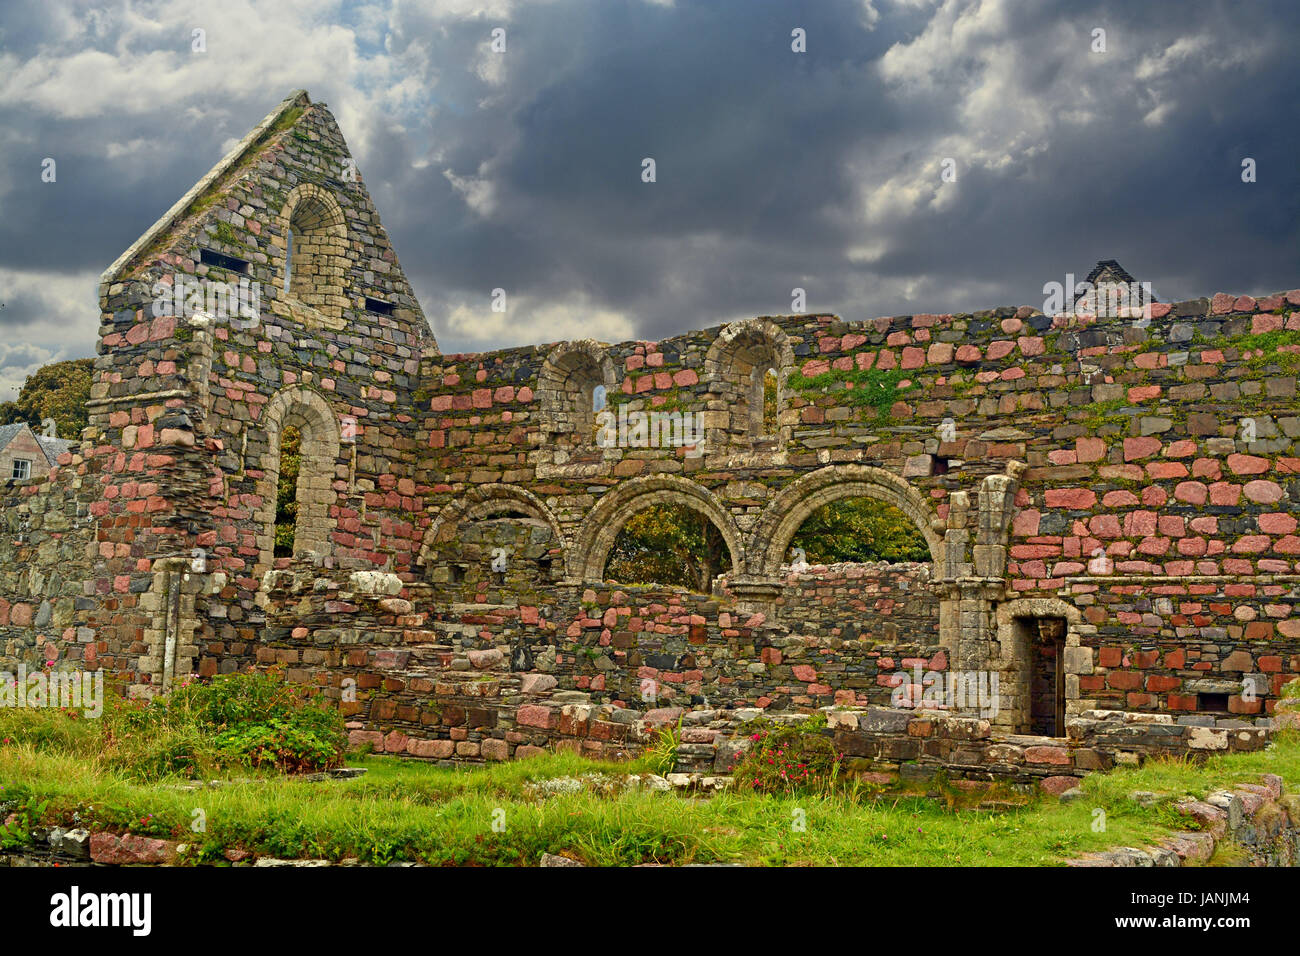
{"x": 873, "y": 388}
{"x": 238, "y": 721}
{"x": 565, "y": 804}
{"x": 671, "y": 545}
{"x": 286, "y": 491}
{"x": 788, "y": 758}
{"x": 860, "y": 529}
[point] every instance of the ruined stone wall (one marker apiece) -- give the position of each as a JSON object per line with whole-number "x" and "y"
{"x": 48, "y": 584}
{"x": 1158, "y": 456}
{"x": 1127, "y": 489}
{"x": 192, "y": 404}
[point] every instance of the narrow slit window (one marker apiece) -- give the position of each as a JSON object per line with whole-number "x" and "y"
{"x": 222, "y": 261}
{"x": 771, "y": 385}
{"x": 379, "y": 305}
{"x": 286, "y": 492}
{"x": 288, "y": 258}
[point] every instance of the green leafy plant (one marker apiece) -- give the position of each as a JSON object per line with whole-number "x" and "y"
{"x": 660, "y": 755}
{"x": 788, "y": 758}
{"x": 246, "y": 720}
{"x": 18, "y": 831}
{"x": 875, "y": 388}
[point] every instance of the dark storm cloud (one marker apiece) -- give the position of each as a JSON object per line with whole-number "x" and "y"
{"x": 775, "y": 169}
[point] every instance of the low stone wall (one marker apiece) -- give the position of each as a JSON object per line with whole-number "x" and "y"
{"x": 885, "y": 746}
{"x": 464, "y": 675}
{"x": 1261, "y": 819}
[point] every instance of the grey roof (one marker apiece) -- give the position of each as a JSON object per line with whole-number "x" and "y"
{"x": 1116, "y": 271}
{"x": 53, "y": 447}
{"x": 9, "y": 432}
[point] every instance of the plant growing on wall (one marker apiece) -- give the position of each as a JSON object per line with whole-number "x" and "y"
{"x": 787, "y": 758}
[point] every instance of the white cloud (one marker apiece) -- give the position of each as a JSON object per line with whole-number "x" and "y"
{"x": 64, "y": 322}
{"x": 528, "y": 321}
{"x": 479, "y": 193}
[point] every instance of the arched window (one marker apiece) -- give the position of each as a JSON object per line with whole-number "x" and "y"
{"x": 668, "y": 544}
{"x": 316, "y": 245}
{"x": 572, "y": 388}
{"x": 298, "y": 463}
{"x": 745, "y": 367}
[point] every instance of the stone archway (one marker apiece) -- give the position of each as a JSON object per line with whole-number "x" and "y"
{"x": 784, "y": 515}
{"x": 480, "y": 502}
{"x": 602, "y": 524}
{"x": 310, "y": 412}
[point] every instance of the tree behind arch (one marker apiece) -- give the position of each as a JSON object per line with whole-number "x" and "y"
{"x": 668, "y": 544}
{"x": 860, "y": 529}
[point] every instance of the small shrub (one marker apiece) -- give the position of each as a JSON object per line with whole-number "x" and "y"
{"x": 660, "y": 756}
{"x": 789, "y": 758}
{"x": 237, "y": 720}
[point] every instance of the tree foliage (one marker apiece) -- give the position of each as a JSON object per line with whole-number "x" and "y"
{"x": 677, "y": 546}
{"x": 286, "y": 492}
{"x": 59, "y": 391}
{"x": 668, "y": 544}
{"x": 860, "y": 529}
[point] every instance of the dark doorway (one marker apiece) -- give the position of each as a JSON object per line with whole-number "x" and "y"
{"x": 1047, "y": 676}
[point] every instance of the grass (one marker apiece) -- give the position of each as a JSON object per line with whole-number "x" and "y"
{"x": 235, "y": 722}
{"x": 414, "y": 811}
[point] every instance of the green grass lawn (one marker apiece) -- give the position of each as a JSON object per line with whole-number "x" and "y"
{"x": 503, "y": 815}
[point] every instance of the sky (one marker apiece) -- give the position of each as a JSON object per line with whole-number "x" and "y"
{"x": 914, "y": 156}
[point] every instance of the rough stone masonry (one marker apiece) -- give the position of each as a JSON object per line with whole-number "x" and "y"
{"x": 1109, "y": 505}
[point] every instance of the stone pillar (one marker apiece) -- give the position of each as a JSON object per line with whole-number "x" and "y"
{"x": 172, "y": 652}
{"x": 755, "y": 594}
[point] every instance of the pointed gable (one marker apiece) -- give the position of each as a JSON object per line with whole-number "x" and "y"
{"x": 285, "y": 221}
{"x": 1112, "y": 291}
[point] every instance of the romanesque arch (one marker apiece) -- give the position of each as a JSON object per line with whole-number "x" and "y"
{"x": 316, "y": 243}
{"x": 309, "y": 411}
{"x": 788, "y": 510}
{"x": 565, "y": 388}
{"x": 734, "y": 370}
{"x": 480, "y": 502}
{"x": 602, "y": 524}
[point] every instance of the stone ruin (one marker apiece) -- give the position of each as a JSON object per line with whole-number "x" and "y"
{"x": 1108, "y": 503}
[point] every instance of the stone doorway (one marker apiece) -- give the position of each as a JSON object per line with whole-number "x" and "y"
{"x": 1046, "y": 675}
